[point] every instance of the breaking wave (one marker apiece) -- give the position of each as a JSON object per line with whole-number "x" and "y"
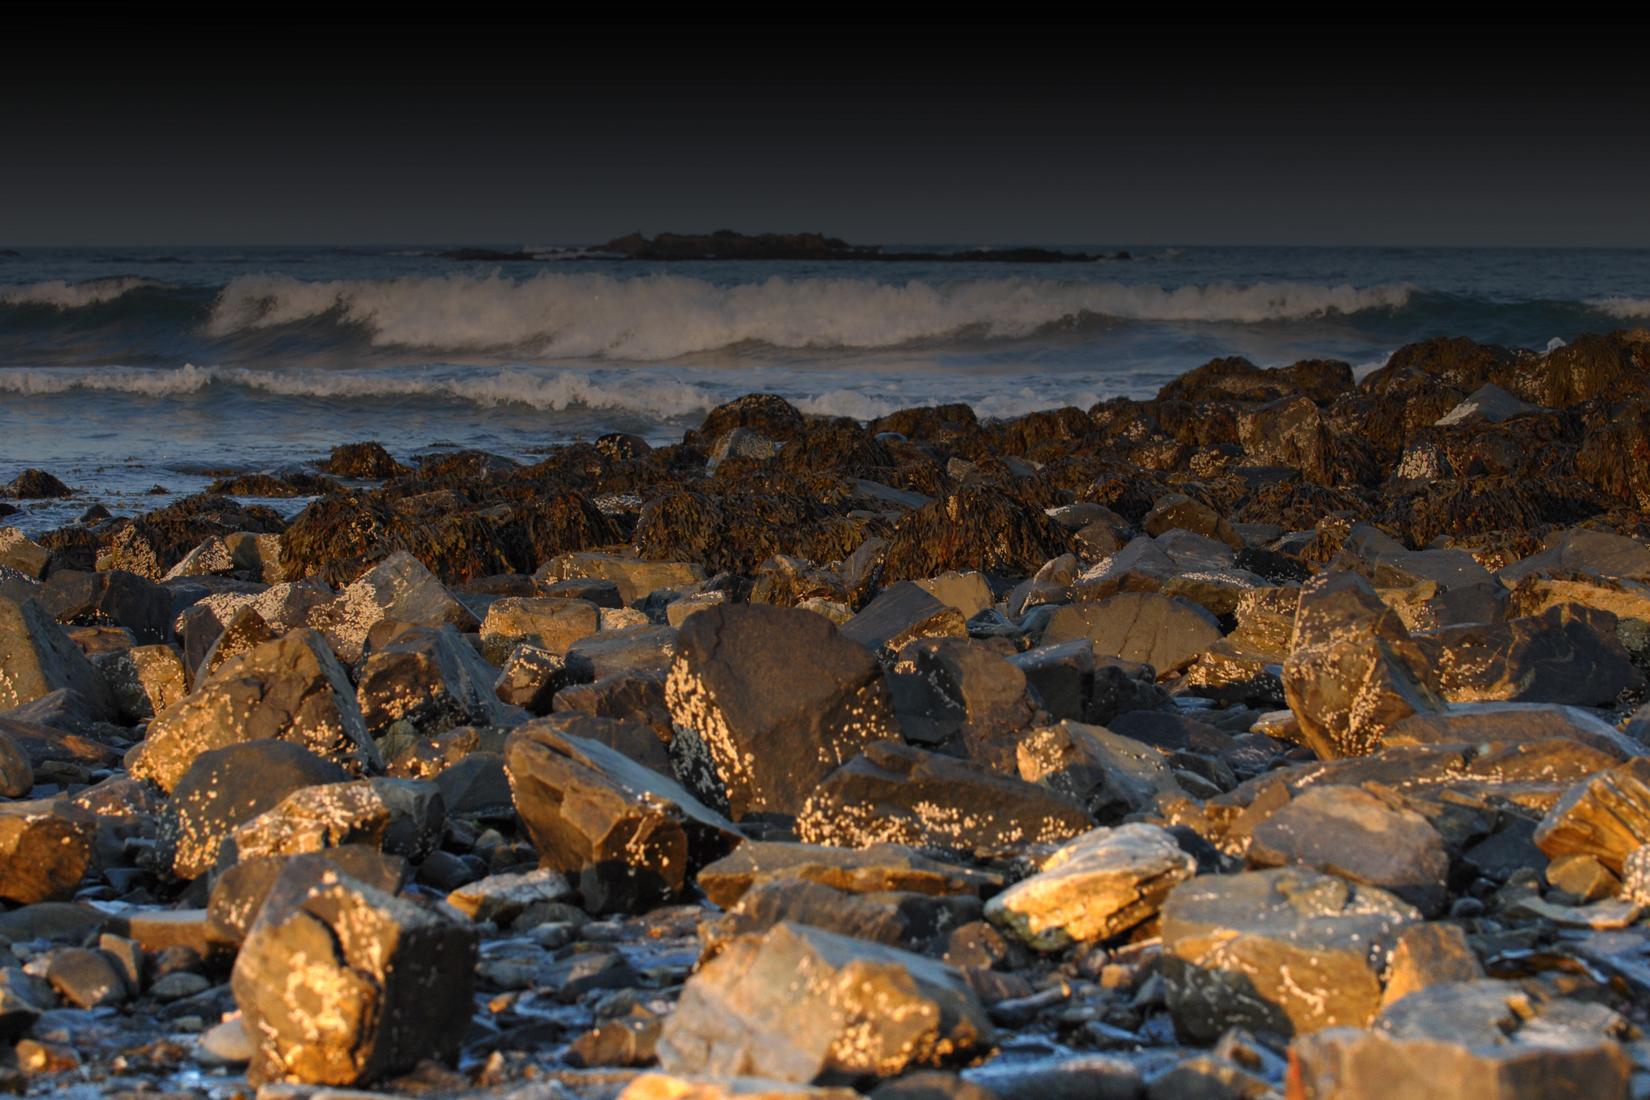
{"x": 660, "y": 317}
{"x": 62, "y": 294}
{"x": 1631, "y": 308}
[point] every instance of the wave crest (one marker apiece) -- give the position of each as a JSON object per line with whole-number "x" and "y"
{"x": 62, "y": 294}
{"x": 1622, "y": 306}
{"x": 658, "y": 317}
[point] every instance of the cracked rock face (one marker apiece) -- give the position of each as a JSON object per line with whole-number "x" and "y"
{"x": 291, "y": 689}
{"x": 340, "y": 983}
{"x": 768, "y": 701}
{"x": 803, "y": 1005}
{"x": 1098, "y": 886}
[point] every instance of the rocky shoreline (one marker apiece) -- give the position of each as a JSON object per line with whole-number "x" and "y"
{"x": 1284, "y": 735}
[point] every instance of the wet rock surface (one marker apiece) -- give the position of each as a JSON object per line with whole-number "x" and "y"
{"x": 1284, "y": 734}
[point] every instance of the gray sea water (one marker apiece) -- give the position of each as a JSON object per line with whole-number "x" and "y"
{"x": 121, "y": 369}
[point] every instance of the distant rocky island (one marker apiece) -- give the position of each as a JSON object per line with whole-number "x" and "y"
{"x": 725, "y": 244}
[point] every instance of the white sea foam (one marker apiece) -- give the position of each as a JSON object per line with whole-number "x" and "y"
{"x": 658, "y": 317}
{"x": 67, "y": 295}
{"x": 1621, "y": 306}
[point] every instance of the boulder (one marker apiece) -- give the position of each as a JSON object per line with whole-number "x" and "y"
{"x": 1098, "y": 886}
{"x": 901, "y": 614}
{"x": 240, "y": 890}
{"x": 634, "y": 577}
{"x": 766, "y": 701}
{"x": 1289, "y": 951}
{"x": 1353, "y": 671}
{"x": 1351, "y": 833}
{"x": 958, "y": 691}
{"x": 1109, "y": 775}
{"x": 114, "y": 598}
{"x": 880, "y": 868}
{"x": 224, "y": 788}
{"x": 975, "y": 528}
{"x": 398, "y": 588}
{"x": 431, "y": 679}
{"x": 16, "y": 772}
{"x": 38, "y": 658}
{"x": 45, "y": 850}
{"x": 898, "y": 794}
{"x": 916, "y": 922}
{"x": 530, "y": 679}
{"x": 19, "y": 552}
{"x": 291, "y": 689}
{"x": 403, "y": 817}
{"x": 547, "y": 622}
{"x": 341, "y": 983}
{"x": 1567, "y": 654}
{"x": 145, "y": 679}
{"x": 629, "y": 837}
{"x": 1480, "y": 1039}
{"x": 804, "y": 1005}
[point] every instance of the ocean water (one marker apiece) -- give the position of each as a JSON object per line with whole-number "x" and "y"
{"x": 125, "y": 369}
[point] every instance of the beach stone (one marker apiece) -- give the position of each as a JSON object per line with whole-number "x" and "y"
{"x": 879, "y": 868}
{"x": 1177, "y": 511}
{"x": 1567, "y": 654}
{"x": 210, "y": 558}
{"x": 245, "y": 631}
{"x": 33, "y": 484}
{"x": 476, "y": 787}
{"x": 898, "y": 794}
{"x": 766, "y": 701}
{"x": 1583, "y": 878}
{"x": 45, "y": 850}
{"x": 431, "y": 679}
{"x": 1586, "y": 553}
{"x": 223, "y": 789}
{"x": 37, "y": 658}
{"x": 1489, "y": 403}
{"x": 19, "y": 552}
{"x": 24, "y": 998}
{"x": 548, "y": 622}
{"x": 290, "y": 689}
{"x": 1427, "y": 955}
{"x": 1098, "y": 886}
{"x": 1145, "y": 627}
{"x": 1353, "y": 671}
{"x": 955, "y": 690}
{"x": 900, "y": 614}
{"x": 397, "y": 588}
{"x": 1350, "y": 833}
{"x": 677, "y": 611}
{"x": 661, "y": 1086}
{"x": 804, "y": 1005}
{"x": 16, "y": 773}
{"x": 239, "y": 891}
{"x": 1635, "y": 876}
{"x": 1107, "y": 774}
{"x": 502, "y": 898}
{"x": 402, "y": 817}
{"x": 343, "y": 984}
{"x": 596, "y": 590}
{"x": 1606, "y": 816}
{"x": 530, "y": 679}
{"x": 1476, "y": 1039}
{"x": 87, "y": 978}
{"x": 629, "y": 837}
{"x": 634, "y": 577}
{"x": 639, "y": 742}
{"x": 1289, "y": 951}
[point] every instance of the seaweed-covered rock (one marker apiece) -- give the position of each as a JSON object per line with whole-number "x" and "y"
{"x": 977, "y": 528}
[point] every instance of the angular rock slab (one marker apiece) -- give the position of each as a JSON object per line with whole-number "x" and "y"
{"x": 896, "y": 794}
{"x": 766, "y": 702}
{"x": 804, "y": 1005}
{"x": 403, "y": 817}
{"x": 397, "y": 588}
{"x": 1481, "y": 1039}
{"x": 291, "y": 689}
{"x": 881, "y": 868}
{"x": 1098, "y": 886}
{"x": 340, "y": 983}
{"x": 628, "y": 836}
{"x": 1289, "y": 951}
{"x": 1606, "y": 816}
{"x": 430, "y": 678}
{"x": 1352, "y": 671}
{"x": 1147, "y": 627}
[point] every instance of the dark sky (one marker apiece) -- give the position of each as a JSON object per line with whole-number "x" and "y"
{"x": 314, "y": 130}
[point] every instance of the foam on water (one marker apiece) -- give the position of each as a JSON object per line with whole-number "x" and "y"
{"x": 660, "y": 317}
{"x": 63, "y": 294}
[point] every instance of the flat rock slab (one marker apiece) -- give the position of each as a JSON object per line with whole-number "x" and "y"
{"x": 1289, "y": 951}
{"x": 1161, "y": 631}
{"x": 1348, "y": 832}
{"x": 876, "y": 869}
{"x": 1098, "y": 886}
{"x": 800, "y": 1004}
{"x": 1606, "y": 816}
